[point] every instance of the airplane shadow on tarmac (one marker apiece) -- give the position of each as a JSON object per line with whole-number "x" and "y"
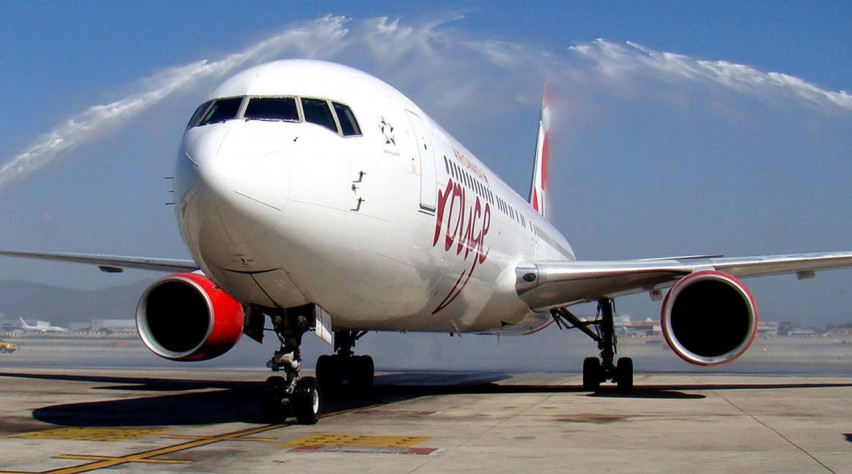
{"x": 166, "y": 401}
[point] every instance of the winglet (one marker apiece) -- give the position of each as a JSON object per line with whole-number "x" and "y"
{"x": 538, "y": 189}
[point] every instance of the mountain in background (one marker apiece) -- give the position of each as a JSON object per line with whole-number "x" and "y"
{"x": 62, "y": 306}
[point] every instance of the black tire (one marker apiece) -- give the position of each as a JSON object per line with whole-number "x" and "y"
{"x": 361, "y": 371}
{"x": 3, "y": 350}
{"x": 624, "y": 374}
{"x": 307, "y": 401}
{"x": 591, "y": 374}
{"x": 328, "y": 371}
{"x": 275, "y": 407}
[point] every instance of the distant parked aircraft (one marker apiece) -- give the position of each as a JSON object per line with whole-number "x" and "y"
{"x": 41, "y": 326}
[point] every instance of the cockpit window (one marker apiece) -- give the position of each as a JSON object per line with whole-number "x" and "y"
{"x": 348, "y": 124}
{"x": 199, "y": 113}
{"x": 221, "y": 110}
{"x": 272, "y": 108}
{"x": 334, "y": 116}
{"x": 317, "y": 111}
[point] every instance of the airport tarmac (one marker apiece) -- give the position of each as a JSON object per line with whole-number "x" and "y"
{"x": 186, "y": 420}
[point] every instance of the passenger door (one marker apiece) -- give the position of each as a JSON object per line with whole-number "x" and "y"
{"x": 428, "y": 178}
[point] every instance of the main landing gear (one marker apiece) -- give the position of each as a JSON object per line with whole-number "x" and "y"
{"x": 333, "y": 369}
{"x": 598, "y": 370}
{"x": 290, "y": 394}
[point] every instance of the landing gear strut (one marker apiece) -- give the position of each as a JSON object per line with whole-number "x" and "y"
{"x": 290, "y": 394}
{"x": 333, "y": 369}
{"x": 598, "y": 370}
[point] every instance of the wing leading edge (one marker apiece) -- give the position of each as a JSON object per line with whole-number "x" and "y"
{"x": 544, "y": 285}
{"x": 110, "y": 263}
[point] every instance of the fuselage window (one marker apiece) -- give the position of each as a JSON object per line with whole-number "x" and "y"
{"x": 317, "y": 111}
{"x": 348, "y": 124}
{"x": 272, "y": 108}
{"x": 221, "y": 111}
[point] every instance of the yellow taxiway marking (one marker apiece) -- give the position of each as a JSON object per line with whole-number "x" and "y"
{"x": 103, "y": 462}
{"x": 87, "y": 457}
{"x": 367, "y": 444}
{"x": 90, "y": 434}
{"x": 360, "y": 441}
{"x": 257, "y": 440}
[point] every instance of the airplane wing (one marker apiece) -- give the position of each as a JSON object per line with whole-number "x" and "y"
{"x": 548, "y": 284}
{"x": 110, "y": 263}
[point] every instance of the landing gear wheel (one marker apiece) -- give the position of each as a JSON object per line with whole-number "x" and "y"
{"x": 275, "y": 406}
{"x": 306, "y": 401}
{"x": 592, "y": 374}
{"x": 332, "y": 370}
{"x": 329, "y": 373}
{"x": 624, "y": 374}
{"x": 361, "y": 371}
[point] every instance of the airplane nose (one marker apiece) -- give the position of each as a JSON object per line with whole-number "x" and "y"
{"x": 231, "y": 185}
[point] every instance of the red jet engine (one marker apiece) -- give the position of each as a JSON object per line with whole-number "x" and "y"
{"x": 186, "y": 317}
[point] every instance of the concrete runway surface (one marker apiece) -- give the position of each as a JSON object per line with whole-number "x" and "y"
{"x": 156, "y": 420}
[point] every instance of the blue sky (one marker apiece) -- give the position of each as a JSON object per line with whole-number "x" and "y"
{"x": 689, "y": 127}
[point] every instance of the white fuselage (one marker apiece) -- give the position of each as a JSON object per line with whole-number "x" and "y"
{"x": 398, "y": 227}
{"x": 41, "y": 327}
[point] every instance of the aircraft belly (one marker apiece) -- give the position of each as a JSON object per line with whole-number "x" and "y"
{"x": 363, "y": 261}
{"x": 422, "y": 285}
{"x": 280, "y": 288}
{"x": 240, "y": 286}
{"x": 367, "y": 266}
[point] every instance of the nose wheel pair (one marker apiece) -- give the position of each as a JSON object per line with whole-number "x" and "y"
{"x": 302, "y": 401}
{"x": 288, "y": 394}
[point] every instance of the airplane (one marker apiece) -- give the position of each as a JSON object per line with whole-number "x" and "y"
{"x": 42, "y": 327}
{"x": 319, "y": 197}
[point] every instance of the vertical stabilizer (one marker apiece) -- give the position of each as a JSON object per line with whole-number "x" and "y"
{"x": 538, "y": 189}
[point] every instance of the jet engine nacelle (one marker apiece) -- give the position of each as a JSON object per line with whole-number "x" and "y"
{"x": 186, "y": 317}
{"x": 709, "y": 318}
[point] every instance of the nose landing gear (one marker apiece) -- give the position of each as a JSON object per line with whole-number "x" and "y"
{"x": 290, "y": 394}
